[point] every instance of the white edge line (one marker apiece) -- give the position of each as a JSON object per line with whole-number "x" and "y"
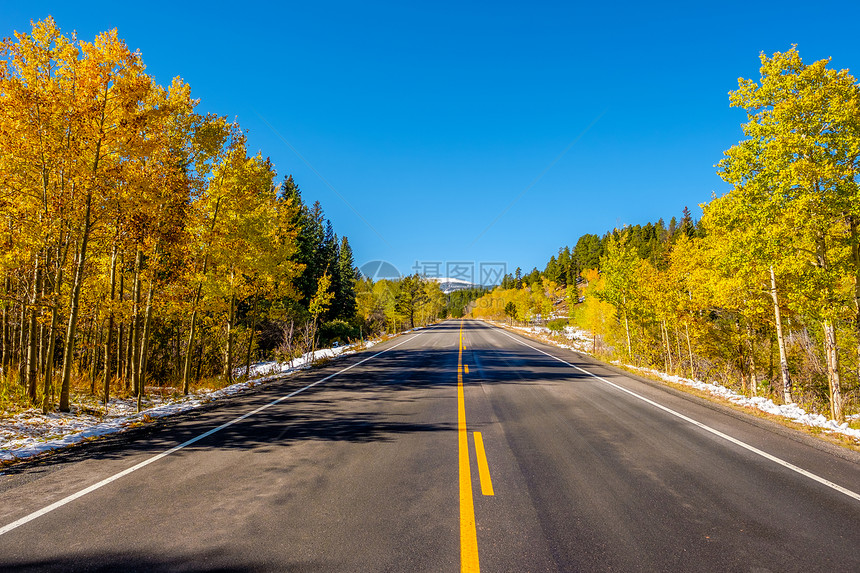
{"x": 57, "y": 504}
{"x": 716, "y": 432}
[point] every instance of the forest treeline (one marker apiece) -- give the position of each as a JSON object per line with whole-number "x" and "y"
{"x": 142, "y": 243}
{"x": 763, "y": 291}
{"x": 393, "y": 305}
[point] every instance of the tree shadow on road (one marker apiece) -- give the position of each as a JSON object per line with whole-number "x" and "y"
{"x": 354, "y": 405}
{"x": 104, "y": 562}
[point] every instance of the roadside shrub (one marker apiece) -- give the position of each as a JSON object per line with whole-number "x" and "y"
{"x": 338, "y": 331}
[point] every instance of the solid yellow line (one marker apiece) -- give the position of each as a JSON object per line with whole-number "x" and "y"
{"x": 483, "y": 467}
{"x": 468, "y": 531}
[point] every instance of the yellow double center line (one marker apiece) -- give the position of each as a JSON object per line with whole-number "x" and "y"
{"x": 468, "y": 532}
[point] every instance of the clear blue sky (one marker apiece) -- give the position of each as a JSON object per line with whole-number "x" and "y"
{"x": 431, "y": 120}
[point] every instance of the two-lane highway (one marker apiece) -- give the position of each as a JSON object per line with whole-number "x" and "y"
{"x": 461, "y": 446}
{"x": 605, "y": 472}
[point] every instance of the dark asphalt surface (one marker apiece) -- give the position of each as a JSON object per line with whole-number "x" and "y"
{"x": 360, "y": 473}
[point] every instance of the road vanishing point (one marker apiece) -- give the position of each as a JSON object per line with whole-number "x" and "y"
{"x": 457, "y": 447}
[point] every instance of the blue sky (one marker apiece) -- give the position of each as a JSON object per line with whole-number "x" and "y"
{"x": 430, "y": 121}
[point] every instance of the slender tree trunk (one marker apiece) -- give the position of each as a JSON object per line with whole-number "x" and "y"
{"x": 855, "y": 259}
{"x": 134, "y": 335}
{"x": 7, "y": 328}
{"x": 189, "y": 351}
{"x": 47, "y": 399}
{"x": 84, "y": 360}
{"x": 22, "y": 344}
{"x": 669, "y": 347}
{"x": 228, "y": 358}
{"x": 41, "y": 354}
{"x": 32, "y": 355}
{"x": 665, "y": 332}
{"x": 770, "y": 358}
{"x": 783, "y": 360}
{"x": 144, "y": 346}
{"x": 663, "y": 347}
{"x": 32, "y": 346}
{"x": 831, "y": 353}
{"x": 251, "y": 339}
{"x": 109, "y": 337}
{"x": 199, "y": 360}
{"x": 94, "y": 362}
{"x": 13, "y": 338}
{"x": 690, "y": 350}
{"x": 127, "y": 367}
{"x": 90, "y": 343}
{"x": 74, "y": 307}
{"x": 120, "y": 335}
{"x": 49, "y": 360}
{"x": 120, "y": 348}
{"x": 42, "y": 295}
{"x": 314, "y": 339}
{"x": 4, "y": 331}
{"x": 742, "y": 358}
{"x": 177, "y": 356}
{"x": 627, "y": 330}
{"x": 751, "y": 351}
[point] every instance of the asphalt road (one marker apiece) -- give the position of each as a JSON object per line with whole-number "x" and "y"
{"x": 377, "y": 468}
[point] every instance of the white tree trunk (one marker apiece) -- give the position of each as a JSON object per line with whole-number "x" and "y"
{"x": 831, "y": 353}
{"x": 783, "y": 361}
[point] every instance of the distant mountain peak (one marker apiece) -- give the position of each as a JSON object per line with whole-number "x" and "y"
{"x": 450, "y": 284}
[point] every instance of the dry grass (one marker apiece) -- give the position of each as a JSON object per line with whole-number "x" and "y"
{"x": 14, "y": 399}
{"x": 13, "y": 396}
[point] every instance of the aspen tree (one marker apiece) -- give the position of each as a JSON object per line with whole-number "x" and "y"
{"x": 804, "y": 141}
{"x": 211, "y": 164}
{"x": 618, "y": 265}
{"x": 319, "y": 304}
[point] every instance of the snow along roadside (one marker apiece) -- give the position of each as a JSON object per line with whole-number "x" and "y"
{"x": 31, "y": 433}
{"x": 580, "y": 340}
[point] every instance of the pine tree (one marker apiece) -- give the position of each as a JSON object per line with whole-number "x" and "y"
{"x": 310, "y": 253}
{"x": 330, "y": 253}
{"x": 345, "y": 299}
{"x": 688, "y": 226}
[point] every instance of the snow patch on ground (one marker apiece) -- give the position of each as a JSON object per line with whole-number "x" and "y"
{"x": 579, "y": 341}
{"x": 791, "y": 411}
{"x": 264, "y": 371}
{"x": 31, "y": 433}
